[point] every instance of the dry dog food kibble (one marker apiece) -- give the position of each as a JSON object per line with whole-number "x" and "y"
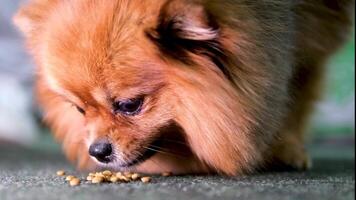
{"x": 124, "y": 178}
{"x": 109, "y": 177}
{"x": 114, "y": 179}
{"x": 97, "y": 179}
{"x": 90, "y": 178}
{"x": 135, "y": 176}
{"x": 146, "y": 179}
{"x": 107, "y": 173}
{"x": 69, "y": 178}
{"x": 61, "y": 173}
{"x": 74, "y": 182}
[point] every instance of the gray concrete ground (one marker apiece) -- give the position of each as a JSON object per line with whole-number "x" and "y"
{"x": 29, "y": 173}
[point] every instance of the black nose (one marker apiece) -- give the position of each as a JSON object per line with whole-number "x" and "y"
{"x": 101, "y": 151}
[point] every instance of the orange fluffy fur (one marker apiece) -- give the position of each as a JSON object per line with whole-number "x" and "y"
{"x": 228, "y": 85}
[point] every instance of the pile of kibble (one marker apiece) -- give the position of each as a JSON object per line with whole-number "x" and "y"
{"x": 108, "y": 177}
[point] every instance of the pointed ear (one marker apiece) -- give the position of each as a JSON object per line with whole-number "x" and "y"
{"x": 189, "y": 20}
{"x": 30, "y": 15}
{"x": 186, "y": 27}
{"x": 184, "y": 20}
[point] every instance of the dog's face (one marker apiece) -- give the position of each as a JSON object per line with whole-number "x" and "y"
{"x": 149, "y": 81}
{"x": 104, "y": 60}
{"x": 110, "y": 70}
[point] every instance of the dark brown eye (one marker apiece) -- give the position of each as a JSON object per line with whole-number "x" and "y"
{"x": 128, "y": 107}
{"x": 81, "y": 110}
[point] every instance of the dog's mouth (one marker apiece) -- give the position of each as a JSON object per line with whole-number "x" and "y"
{"x": 171, "y": 141}
{"x": 150, "y": 151}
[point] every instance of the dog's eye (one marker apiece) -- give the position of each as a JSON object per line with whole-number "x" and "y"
{"x": 81, "y": 110}
{"x": 128, "y": 107}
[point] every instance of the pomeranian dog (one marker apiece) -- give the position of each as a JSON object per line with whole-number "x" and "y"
{"x": 185, "y": 86}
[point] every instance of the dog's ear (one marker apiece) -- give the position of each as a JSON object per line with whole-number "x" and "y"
{"x": 187, "y": 27}
{"x": 29, "y": 16}
{"x": 186, "y": 20}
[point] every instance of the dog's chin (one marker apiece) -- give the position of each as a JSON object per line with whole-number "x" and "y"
{"x": 168, "y": 152}
{"x": 115, "y": 161}
{"x": 132, "y": 166}
{"x": 157, "y": 163}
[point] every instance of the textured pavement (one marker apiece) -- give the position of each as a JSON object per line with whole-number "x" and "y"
{"x": 29, "y": 173}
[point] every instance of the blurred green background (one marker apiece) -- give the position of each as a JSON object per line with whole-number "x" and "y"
{"x": 336, "y": 111}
